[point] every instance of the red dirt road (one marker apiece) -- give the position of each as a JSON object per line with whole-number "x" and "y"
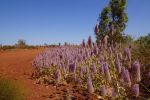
{"x": 16, "y": 64}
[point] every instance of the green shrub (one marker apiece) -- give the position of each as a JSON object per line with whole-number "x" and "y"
{"x": 10, "y": 90}
{"x": 141, "y": 49}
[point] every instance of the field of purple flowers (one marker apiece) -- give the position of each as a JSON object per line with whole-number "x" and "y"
{"x": 106, "y": 70}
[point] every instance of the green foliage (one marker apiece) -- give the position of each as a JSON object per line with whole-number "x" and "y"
{"x": 10, "y": 90}
{"x": 21, "y": 43}
{"x": 127, "y": 39}
{"x": 118, "y": 14}
{"x": 113, "y": 20}
{"x": 104, "y": 23}
{"x": 144, "y": 41}
{"x": 7, "y": 47}
{"x": 142, "y": 49}
{"x": 119, "y": 18}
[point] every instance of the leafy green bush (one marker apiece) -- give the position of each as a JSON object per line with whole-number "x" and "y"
{"x": 10, "y": 90}
{"x": 141, "y": 49}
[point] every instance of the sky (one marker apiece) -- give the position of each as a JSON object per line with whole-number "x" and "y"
{"x": 54, "y": 21}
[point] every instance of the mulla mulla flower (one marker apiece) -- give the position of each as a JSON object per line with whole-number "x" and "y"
{"x": 125, "y": 77}
{"x": 90, "y": 43}
{"x": 95, "y": 49}
{"x": 135, "y": 90}
{"x": 127, "y": 53}
{"x": 93, "y": 68}
{"x": 103, "y": 90}
{"x": 118, "y": 65}
{"x": 58, "y": 75}
{"x": 107, "y": 72}
{"x": 136, "y": 73}
{"x": 105, "y": 40}
{"x": 101, "y": 69}
{"x": 72, "y": 67}
{"x": 90, "y": 85}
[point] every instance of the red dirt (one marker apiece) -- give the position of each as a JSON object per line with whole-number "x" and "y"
{"x": 16, "y": 65}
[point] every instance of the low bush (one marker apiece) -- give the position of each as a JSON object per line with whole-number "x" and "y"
{"x": 10, "y": 90}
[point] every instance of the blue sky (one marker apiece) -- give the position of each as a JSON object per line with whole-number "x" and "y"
{"x": 54, "y": 21}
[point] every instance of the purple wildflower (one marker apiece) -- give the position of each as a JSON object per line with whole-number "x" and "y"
{"x": 114, "y": 93}
{"x": 58, "y": 75}
{"x": 81, "y": 72}
{"x": 107, "y": 72}
{"x": 103, "y": 90}
{"x": 105, "y": 40}
{"x": 72, "y": 67}
{"x": 135, "y": 90}
{"x": 90, "y": 85}
{"x": 93, "y": 69}
{"x": 129, "y": 64}
{"x": 90, "y": 42}
{"x": 118, "y": 65}
{"x": 110, "y": 51}
{"x": 102, "y": 69}
{"x": 136, "y": 71}
{"x": 95, "y": 49}
{"x": 125, "y": 77}
{"x": 79, "y": 81}
{"x": 127, "y": 53}
{"x": 101, "y": 58}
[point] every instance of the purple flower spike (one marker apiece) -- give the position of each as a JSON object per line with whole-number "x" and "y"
{"x": 103, "y": 90}
{"x": 90, "y": 42}
{"x": 110, "y": 51}
{"x": 102, "y": 58}
{"x": 135, "y": 90}
{"x": 114, "y": 93}
{"x": 125, "y": 76}
{"x": 79, "y": 81}
{"x": 118, "y": 65}
{"x": 105, "y": 40}
{"x": 95, "y": 49}
{"x": 127, "y": 53}
{"x": 81, "y": 72}
{"x": 72, "y": 68}
{"x": 107, "y": 72}
{"x": 136, "y": 71}
{"x": 90, "y": 85}
{"x": 93, "y": 69}
{"x": 102, "y": 68}
{"x": 58, "y": 76}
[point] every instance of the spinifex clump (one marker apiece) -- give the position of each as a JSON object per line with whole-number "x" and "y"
{"x": 103, "y": 70}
